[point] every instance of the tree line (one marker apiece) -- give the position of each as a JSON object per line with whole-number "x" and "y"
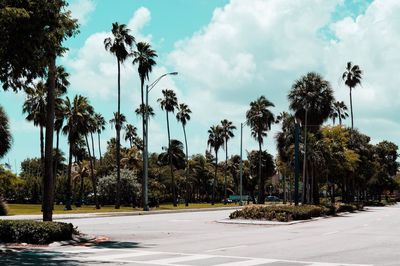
{"x": 335, "y": 159}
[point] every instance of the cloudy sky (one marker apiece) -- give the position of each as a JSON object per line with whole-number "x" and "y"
{"x": 227, "y": 54}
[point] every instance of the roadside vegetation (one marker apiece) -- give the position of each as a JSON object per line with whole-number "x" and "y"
{"x": 333, "y": 160}
{"x": 287, "y": 213}
{"x": 33, "y": 232}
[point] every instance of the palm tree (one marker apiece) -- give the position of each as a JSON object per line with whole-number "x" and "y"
{"x": 130, "y": 134}
{"x": 311, "y": 99}
{"x": 215, "y": 141}
{"x": 227, "y": 133}
{"x": 168, "y": 104}
{"x": 339, "y": 110}
{"x": 352, "y": 77}
{"x": 183, "y": 116}
{"x": 174, "y": 154}
{"x": 35, "y": 108}
{"x": 61, "y": 88}
{"x": 5, "y": 133}
{"x": 119, "y": 46}
{"x": 144, "y": 57}
{"x": 260, "y": 119}
{"x": 77, "y": 113}
{"x": 100, "y": 126}
{"x": 89, "y": 129}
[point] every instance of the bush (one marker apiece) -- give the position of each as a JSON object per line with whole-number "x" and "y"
{"x": 279, "y": 212}
{"x": 3, "y": 207}
{"x": 34, "y": 232}
{"x": 343, "y": 207}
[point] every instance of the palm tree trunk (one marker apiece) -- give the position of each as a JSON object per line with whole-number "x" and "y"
{"x": 305, "y": 160}
{"x": 215, "y": 178}
{"x": 69, "y": 185}
{"x": 261, "y": 189}
{"x": 94, "y": 156}
{"x": 42, "y": 148}
{"x": 48, "y": 181}
{"x": 94, "y": 183}
{"x": 144, "y": 137}
{"x": 226, "y": 166}
{"x": 187, "y": 167}
{"x": 98, "y": 137}
{"x": 118, "y": 129}
{"x": 351, "y": 109}
{"x": 170, "y": 164}
{"x": 340, "y": 117}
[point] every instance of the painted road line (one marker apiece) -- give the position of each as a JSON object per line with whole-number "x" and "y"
{"x": 330, "y": 233}
{"x": 225, "y": 248}
{"x": 180, "y": 259}
{"x": 130, "y": 254}
{"x": 251, "y": 262}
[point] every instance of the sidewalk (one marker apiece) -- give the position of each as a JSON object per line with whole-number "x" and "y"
{"x": 113, "y": 214}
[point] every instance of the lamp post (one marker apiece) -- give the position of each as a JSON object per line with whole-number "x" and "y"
{"x": 146, "y": 141}
{"x": 241, "y": 156}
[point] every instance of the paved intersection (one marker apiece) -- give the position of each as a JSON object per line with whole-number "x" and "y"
{"x": 365, "y": 238}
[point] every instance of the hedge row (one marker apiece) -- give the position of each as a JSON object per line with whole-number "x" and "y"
{"x": 34, "y": 232}
{"x": 286, "y": 213}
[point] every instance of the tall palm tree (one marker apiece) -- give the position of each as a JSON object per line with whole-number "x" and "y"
{"x": 352, "y": 77}
{"x": 5, "y": 133}
{"x": 100, "y": 126}
{"x": 130, "y": 134}
{"x": 311, "y": 98}
{"x": 144, "y": 56}
{"x": 215, "y": 141}
{"x": 89, "y": 129}
{"x": 228, "y": 128}
{"x": 119, "y": 45}
{"x": 168, "y": 104}
{"x": 183, "y": 116}
{"x": 339, "y": 110}
{"x": 77, "y": 113}
{"x": 61, "y": 88}
{"x": 35, "y": 108}
{"x": 260, "y": 119}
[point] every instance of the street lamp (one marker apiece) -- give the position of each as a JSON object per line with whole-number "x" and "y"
{"x": 241, "y": 155}
{"x": 146, "y": 139}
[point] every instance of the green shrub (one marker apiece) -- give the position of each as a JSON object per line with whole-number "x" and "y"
{"x": 3, "y": 207}
{"x": 34, "y": 232}
{"x": 374, "y": 203}
{"x": 343, "y": 207}
{"x": 278, "y": 212}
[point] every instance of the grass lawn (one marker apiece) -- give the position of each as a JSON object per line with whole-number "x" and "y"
{"x": 21, "y": 209}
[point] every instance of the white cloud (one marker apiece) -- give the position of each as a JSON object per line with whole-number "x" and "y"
{"x": 81, "y": 10}
{"x": 253, "y": 48}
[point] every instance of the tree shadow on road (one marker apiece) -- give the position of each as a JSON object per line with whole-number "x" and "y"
{"x": 36, "y": 257}
{"x": 116, "y": 244}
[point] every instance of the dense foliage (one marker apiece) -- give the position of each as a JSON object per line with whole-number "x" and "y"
{"x": 33, "y": 232}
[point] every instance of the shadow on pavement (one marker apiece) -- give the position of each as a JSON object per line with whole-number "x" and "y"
{"x": 36, "y": 257}
{"x": 116, "y": 244}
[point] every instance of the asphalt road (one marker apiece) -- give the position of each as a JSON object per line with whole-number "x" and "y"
{"x": 371, "y": 237}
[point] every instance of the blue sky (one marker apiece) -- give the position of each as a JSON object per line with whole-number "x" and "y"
{"x": 227, "y": 54}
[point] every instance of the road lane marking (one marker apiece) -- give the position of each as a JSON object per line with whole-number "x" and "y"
{"x": 225, "y": 248}
{"x": 172, "y": 261}
{"x": 122, "y": 255}
{"x": 133, "y": 255}
{"x": 251, "y": 262}
{"x": 330, "y": 233}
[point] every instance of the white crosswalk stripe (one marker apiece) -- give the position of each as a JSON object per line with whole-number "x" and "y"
{"x": 145, "y": 257}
